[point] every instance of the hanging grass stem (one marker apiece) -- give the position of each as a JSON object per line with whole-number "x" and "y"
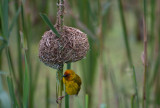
{"x": 60, "y": 71}
{"x": 60, "y": 86}
{"x": 66, "y": 95}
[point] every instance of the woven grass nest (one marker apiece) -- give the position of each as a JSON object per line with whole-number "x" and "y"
{"x": 70, "y": 47}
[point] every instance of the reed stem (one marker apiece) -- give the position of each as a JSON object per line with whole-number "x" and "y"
{"x": 66, "y": 95}
{"x": 60, "y": 86}
{"x": 125, "y": 33}
{"x": 136, "y": 88}
{"x": 145, "y": 63}
{"x": 60, "y": 22}
{"x": 86, "y": 101}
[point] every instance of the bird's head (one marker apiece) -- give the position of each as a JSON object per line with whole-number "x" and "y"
{"x": 69, "y": 75}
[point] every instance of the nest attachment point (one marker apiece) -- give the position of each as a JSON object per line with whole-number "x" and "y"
{"x": 70, "y": 47}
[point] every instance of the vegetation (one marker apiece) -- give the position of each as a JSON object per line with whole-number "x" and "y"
{"x": 121, "y": 68}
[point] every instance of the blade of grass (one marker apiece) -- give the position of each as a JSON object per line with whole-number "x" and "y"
{"x": 26, "y": 38}
{"x": 60, "y": 85}
{"x": 26, "y": 85}
{"x": 66, "y": 95}
{"x": 14, "y": 20}
{"x": 10, "y": 63}
{"x": 156, "y": 67}
{"x": 135, "y": 86}
{"x": 153, "y": 7}
{"x": 115, "y": 89}
{"x": 127, "y": 45}
{"x": 132, "y": 100}
{"x": 4, "y": 43}
{"x": 4, "y": 18}
{"x": 19, "y": 52}
{"x": 27, "y": 90}
{"x": 12, "y": 94}
{"x": 47, "y": 92}
{"x": 86, "y": 101}
{"x": 49, "y": 23}
{"x": 154, "y": 79}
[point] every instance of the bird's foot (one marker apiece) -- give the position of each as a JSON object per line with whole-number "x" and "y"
{"x": 59, "y": 98}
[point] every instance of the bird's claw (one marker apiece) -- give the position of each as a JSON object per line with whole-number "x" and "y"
{"x": 60, "y": 98}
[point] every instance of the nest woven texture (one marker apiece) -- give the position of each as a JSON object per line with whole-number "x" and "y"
{"x": 70, "y": 47}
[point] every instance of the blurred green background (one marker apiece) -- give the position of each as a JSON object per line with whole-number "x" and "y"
{"x": 112, "y": 72}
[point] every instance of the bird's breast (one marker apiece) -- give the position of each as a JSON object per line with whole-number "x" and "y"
{"x": 72, "y": 88}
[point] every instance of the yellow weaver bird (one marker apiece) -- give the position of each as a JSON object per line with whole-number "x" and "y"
{"x": 72, "y": 82}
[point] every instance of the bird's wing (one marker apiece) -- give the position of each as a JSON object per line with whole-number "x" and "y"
{"x": 78, "y": 80}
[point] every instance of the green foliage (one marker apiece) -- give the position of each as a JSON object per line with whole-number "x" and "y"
{"x": 26, "y": 85}
{"x": 86, "y": 101}
{"x": 127, "y": 45}
{"x": 21, "y": 28}
{"x": 136, "y": 89}
{"x": 12, "y": 93}
{"x": 48, "y": 22}
{"x": 4, "y": 18}
{"x": 47, "y": 92}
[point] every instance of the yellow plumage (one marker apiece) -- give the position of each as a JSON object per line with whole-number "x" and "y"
{"x": 72, "y": 82}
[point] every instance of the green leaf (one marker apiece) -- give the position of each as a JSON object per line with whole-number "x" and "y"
{"x": 86, "y": 101}
{"x": 2, "y": 47}
{"x": 11, "y": 91}
{"x": 10, "y": 62}
{"x": 4, "y": 18}
{"x": 26, "y": 85}
{"x": 136, "y": 88}
{"x": 48, "y": 22}
{"x": 4, "y": 43}
{"x": 47, "y": 92}
{"x": 14, "y": 20}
